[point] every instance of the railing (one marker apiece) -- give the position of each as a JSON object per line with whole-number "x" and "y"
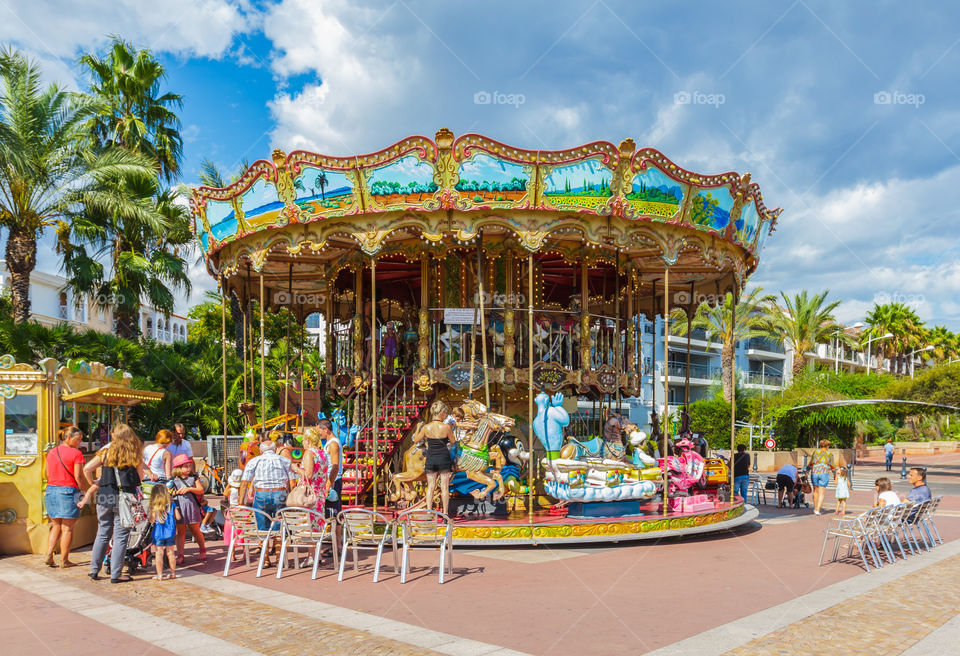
{"x": 341, "y": 335}
{"x": 64, "y": 313}
{"x": 764, "y": 344}
{"x": 759, "y": 378}
{"x": 696, "y": 370}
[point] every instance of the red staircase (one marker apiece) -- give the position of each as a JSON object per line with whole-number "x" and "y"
{"x": 396, "y": 417}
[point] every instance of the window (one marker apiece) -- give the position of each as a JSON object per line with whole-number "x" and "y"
{"x": 149, "y": 327}
{"x": 64, "y": 306}
{"x": 19, "y": 419}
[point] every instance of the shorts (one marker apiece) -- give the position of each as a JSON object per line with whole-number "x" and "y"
{"x": 784, "y": 481}
{"x": 820, "y": 480}
{"x": 163, "y": 542}
{"x": 61, "y": 501}
{"x": 333, "y": 508}
{"x": 440, "y": 463}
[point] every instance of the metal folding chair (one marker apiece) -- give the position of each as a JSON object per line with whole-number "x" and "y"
{"x": 304, "y": 527}
{"x": 246, "y": 534}
{"x": 914, "y": 522}
{"x": 366, "y": 529}
{"x": 425, "y": 528}
{"x": 755, "y": 489}
{"x": 926, "y": 520}
{"x": 855, "y": 530}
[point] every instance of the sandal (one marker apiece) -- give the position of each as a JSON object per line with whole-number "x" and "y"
{"x": 202, "y": 556}
{"x": 65, "y": 564}
{"x": 180, "y": 560}
{"x": 49, "y": 561}
{"x": 157, "y": 578}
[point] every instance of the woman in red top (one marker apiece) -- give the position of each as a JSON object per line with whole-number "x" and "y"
{"x": 65, "y": 480}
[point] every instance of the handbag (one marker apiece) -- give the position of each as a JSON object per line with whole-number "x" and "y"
{"x": 129, "y": 506}
{"x": 302, "y": 496}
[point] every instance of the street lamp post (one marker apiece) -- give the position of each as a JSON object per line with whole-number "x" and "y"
{"x": 869, "y": 340}
{"x": 914, "y": 352}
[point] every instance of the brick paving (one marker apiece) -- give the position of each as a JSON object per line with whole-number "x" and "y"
{"x": 883, "y": 622}
{"x": 254, "y": 625}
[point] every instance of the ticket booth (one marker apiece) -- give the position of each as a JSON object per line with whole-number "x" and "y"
{"x": 34, "y": 403}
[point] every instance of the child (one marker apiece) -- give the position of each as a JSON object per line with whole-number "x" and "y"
{"x": 232, "y": 498}
{"x": 885, "y": 494}
{"x": 164, "y": 514}
{"x": 843, "y": 491}
{"x": 189, "y": 493}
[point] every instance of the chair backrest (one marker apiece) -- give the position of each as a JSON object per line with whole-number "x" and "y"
{"x": 868, "y": 519}
{"x": 360, "y": 522}
{"x": 919, "y": 512}
{"x": 931, "y": 508}
{"x": 898, "y": 513}
{"x": 421, "y": 525}
{"x": 296, "y": 521}
{"x": 244, "y": 518}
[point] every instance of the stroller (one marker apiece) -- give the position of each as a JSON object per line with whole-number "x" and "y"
{"x": 139, "y": 554}
{"x": 801, "y": 489}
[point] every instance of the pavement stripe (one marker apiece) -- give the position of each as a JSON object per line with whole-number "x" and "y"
{"x": 159, "y": 632}
{"x": 412, "y": 634}
{"x": 728, "y": 637}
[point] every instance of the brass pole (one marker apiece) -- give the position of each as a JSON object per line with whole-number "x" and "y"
{"x": 533, "y": 460}
{"x": 263, "y": 361}
{"x": 686, "y": 384}
{"x": 665, "y": 418}
{"x": 300, "y": 347}
{"x": 243, "y": 337}
{"x": 374, "y": 361}
{"x": 483, "y": 323}
{"x": 733, "y": 380}
{"x": 286, "y": 359}
{"x": 223, "y": 352}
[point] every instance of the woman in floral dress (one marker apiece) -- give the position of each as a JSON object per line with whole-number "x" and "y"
{"x": 315, "y": 467}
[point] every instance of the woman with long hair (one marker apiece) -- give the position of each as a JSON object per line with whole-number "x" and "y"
{"x": 121, "y": 467}
{"x": 439, "y": 436}
{"x": 157, "y": 461}
{"x": 65, "y": 480}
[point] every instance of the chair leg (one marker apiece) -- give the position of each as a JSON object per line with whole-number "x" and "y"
{"x": 443, "y": 564}
{"x": 343, "y": 559}
{"x": 355, "y": 557}
{"x": 283, "y": 556}
{"x": 263, "y": 555}
{"x": 316, "y": 560}
{"x": 826, "y": 536}
{"x": 246, "y": 553}
{"x": 226, "y": 565}
{"x": 376, "y": 567}
{"x": 403, "y": 564}
{"x": 862, "y": 557}
{"x": 333, "y": 548}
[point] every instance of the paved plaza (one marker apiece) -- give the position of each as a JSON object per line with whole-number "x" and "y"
{"x": 754, "y": 590}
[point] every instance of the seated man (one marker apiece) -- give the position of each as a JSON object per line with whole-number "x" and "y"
{"x": 920, "y": 492}
{"x": 786, "y": 479}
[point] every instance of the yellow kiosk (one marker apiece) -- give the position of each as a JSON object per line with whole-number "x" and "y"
{"x": 34, "y": 403}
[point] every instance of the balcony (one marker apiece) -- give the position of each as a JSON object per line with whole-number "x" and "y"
{"x": 700, "y": 374}
{"x": 764, "y": 348}
{"x": 758, "y": 378}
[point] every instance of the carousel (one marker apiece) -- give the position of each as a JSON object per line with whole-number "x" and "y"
{"x": 510, "y": 284}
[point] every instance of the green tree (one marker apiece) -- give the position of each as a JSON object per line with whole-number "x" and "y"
{"x": 905, "y": 326}
{"x": 720, "y": 326}
{"x": 802, "y": 322}
{"x": 946, "y": 344}
{"x": 48, "y": 173}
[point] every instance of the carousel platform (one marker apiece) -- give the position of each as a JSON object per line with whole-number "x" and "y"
{"x": 547, "y": 528}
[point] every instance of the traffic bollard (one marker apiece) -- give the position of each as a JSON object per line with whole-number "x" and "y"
{"x": 754, "y": 462}
{"x": 804, "y": 461}
{"x": 903, "y": 468}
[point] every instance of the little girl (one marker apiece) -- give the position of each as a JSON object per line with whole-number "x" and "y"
{"x": 843, "y": 491}
{"x": 189, "y": 493}
{"x": 885, "y": 494}
{"x": 164, "y": 514}
{"x": 232, "y": 498}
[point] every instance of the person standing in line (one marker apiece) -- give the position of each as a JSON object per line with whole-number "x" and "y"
{"x": 121, "y": 468}
{"x": 315, "y": 467}
{"x": 741, "y": 471}
{"x": 65, "y": 480}
{"x": 439, "y": 437}
{"x": 842, "y": 491}
{"x": 188, "y": 490}
{"x": 180, "y": 442}
{"x": 888, "y": 454}
{"x": 334, "y": 450}
{"x": 158, "y": 463}
{"x": 822, "y": 467}
{"x": 164, "y": 513}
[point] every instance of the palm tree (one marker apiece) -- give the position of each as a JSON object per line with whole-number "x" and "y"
{"x": 719, "y": 325}
{"x": 803, "y": 322}
{"x": 132, "y": 113}
{"x": 901, "y": 321}
{"x": 48, "y": 173}
{"x": 946, "y": 344}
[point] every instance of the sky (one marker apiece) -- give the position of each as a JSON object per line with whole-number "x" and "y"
{"x": 846, "y": 114}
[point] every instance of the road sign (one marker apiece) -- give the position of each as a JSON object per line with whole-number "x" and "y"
{"x": 770, "y": 443}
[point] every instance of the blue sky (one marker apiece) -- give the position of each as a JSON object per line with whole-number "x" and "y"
{"x": 845, "y": 113}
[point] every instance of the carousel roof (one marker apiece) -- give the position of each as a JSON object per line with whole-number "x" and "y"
{"x": 302, "y": 217}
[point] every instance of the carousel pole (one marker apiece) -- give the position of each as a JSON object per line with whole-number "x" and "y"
{"x": 664, "y": 420}
{"x": 223, "y": 352}
{"x": 733, "y": 379}
{"x": 300, "y": 347}
{"x": 483, "y": 323}
{"x": 686, "y": 384}
{"x": 533, "y": 460}
{"x": 618, "y": 352}
{"x": 374, "y": 361}
{"x": 263, "y": 361}
{"x": 286, "y": 359}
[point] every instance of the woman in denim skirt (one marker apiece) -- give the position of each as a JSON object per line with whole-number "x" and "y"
{"x": 65, "y": 480}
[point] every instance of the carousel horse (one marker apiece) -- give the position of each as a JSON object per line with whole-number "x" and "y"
{"x": 342, "y": 430}
{"x": 549, "y": 422}
{"x": 414, "y": 460}
{"x": 472, "y": 453}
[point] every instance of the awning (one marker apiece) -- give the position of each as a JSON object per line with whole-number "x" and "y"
{"x": 113, "y": 396}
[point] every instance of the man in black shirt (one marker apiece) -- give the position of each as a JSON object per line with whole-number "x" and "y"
{"x": 741, "y": 471}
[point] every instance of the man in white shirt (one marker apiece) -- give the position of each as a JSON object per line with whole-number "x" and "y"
{"x": 270, "y": 477}
{"x": 179, "y": 444}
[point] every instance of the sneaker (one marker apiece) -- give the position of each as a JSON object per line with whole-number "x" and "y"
{"x": 205, "y": 528}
